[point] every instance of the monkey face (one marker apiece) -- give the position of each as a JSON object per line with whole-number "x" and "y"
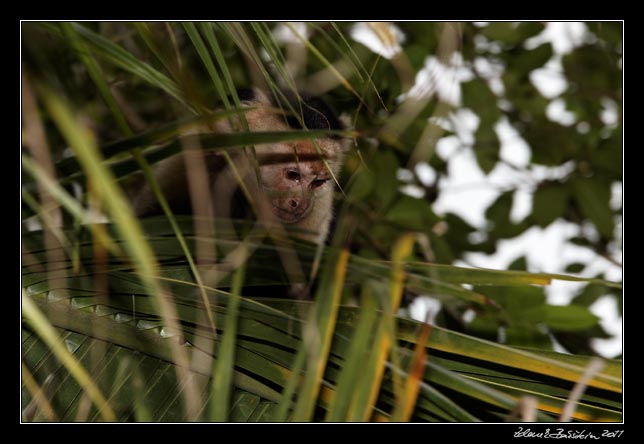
{"x": 288, "y": 182}
{"x": 292, "y": 182}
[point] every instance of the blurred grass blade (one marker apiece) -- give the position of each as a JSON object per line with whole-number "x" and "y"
{"x": 585, "y": 411}
{"x": 316, "y": 52}
{"x": 208, "y": 30}
{"x": 119, "y": 210}
{"x": 478, "y": 276}
{"x": 350, "y": 55}
{"x": 200, "y": 46}
{"x": 319, "y": 332}
{"x": 449, "y": 408}
{"x": 68, "y": 202}
{"x": 472, "y": 388}
{"x": 274, "y": 52}
{"x": 97, "y": 76}
{"x": 70, "y": 167}
{"x": 37, "y": 394}
{"x": 594, "y": 366}
{"x": 406, "y": 403}
{"x": 116, "y": 203}
{"x": 365, "y": 399}
{"x": 42, "y": 326}
{"x": 293, "y": 381}
{"x": 146, "y": 34}
{"x": 258, "y": 73}
{"x": 483, "y": 276}
{"x": 223, "y": 371}
{"x": 167, "y": 132}
{"x": 125, "y": 60}
{"x": 151, "y": 180}
{"x": 157, "y": 136}
{"x": 352, "y": 372}
{"x": 59, "y": 193}
{"x": 475, "y": 348}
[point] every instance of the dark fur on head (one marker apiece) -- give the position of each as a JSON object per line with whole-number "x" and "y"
{"x": 300, "y": 110}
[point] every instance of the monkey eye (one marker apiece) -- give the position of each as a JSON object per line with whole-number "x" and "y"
{"x": 317, "y": 183}
{"x": 293, "y": 174}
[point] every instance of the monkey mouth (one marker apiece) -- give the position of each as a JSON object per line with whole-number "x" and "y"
{"x": 290, "y": 216}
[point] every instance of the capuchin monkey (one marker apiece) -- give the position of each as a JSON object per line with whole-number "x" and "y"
{"x": 291, "y": 182}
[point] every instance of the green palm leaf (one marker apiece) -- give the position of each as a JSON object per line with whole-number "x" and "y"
{"x": 269, "y": 333}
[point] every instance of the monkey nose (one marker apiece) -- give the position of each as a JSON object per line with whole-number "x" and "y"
{"x": 293, "y": 203}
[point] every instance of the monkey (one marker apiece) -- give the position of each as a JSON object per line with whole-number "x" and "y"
{"x": 291, "y": 183}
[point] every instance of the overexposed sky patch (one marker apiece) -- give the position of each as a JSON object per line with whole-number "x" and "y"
{"x": 557, "y": 112}
{"x": 381, "y": 37}
{"x": 441, "y": 79}
{"x": 606, "y": 308}
{"x": 288, "y": 32}
{"x": 563, "y": 36}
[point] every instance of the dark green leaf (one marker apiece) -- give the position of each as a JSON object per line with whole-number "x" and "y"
{"x": 549, "y": 202}
{"x": 385, "y": 166}
{"x": 519, "y": 264}
{"x": 593, "y": 197}
{"x": 362, "y": 186}
{"x": 498, "y": 214}
{"x": 551, "y": 143}
{"x": 506, "y": 32}
{"x": 569, "y": 318}
{"x": 515, "y": 300}
{"x": 458, "y": 232}
{"x": 593, "y": 71}
{"x": 486, "y": 147}
{"x": 612, "y": 32}
{"x": 525, "y": 62}
{"x": 609, "y": 156}
{"x": 478, "y": 96}
{"x": 413, "y": 214}
{"x": 590, "y": 294}
{"x": 575, "y": 267}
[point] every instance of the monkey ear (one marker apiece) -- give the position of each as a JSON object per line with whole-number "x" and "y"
{"x": 245, "y": 95}
{"x": 250, "y": 96}
{"x": 345, "y": 120}
{"x": 260, "y": 97}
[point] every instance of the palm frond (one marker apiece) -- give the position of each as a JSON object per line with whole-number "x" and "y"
{"x": 270, "y": 332}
